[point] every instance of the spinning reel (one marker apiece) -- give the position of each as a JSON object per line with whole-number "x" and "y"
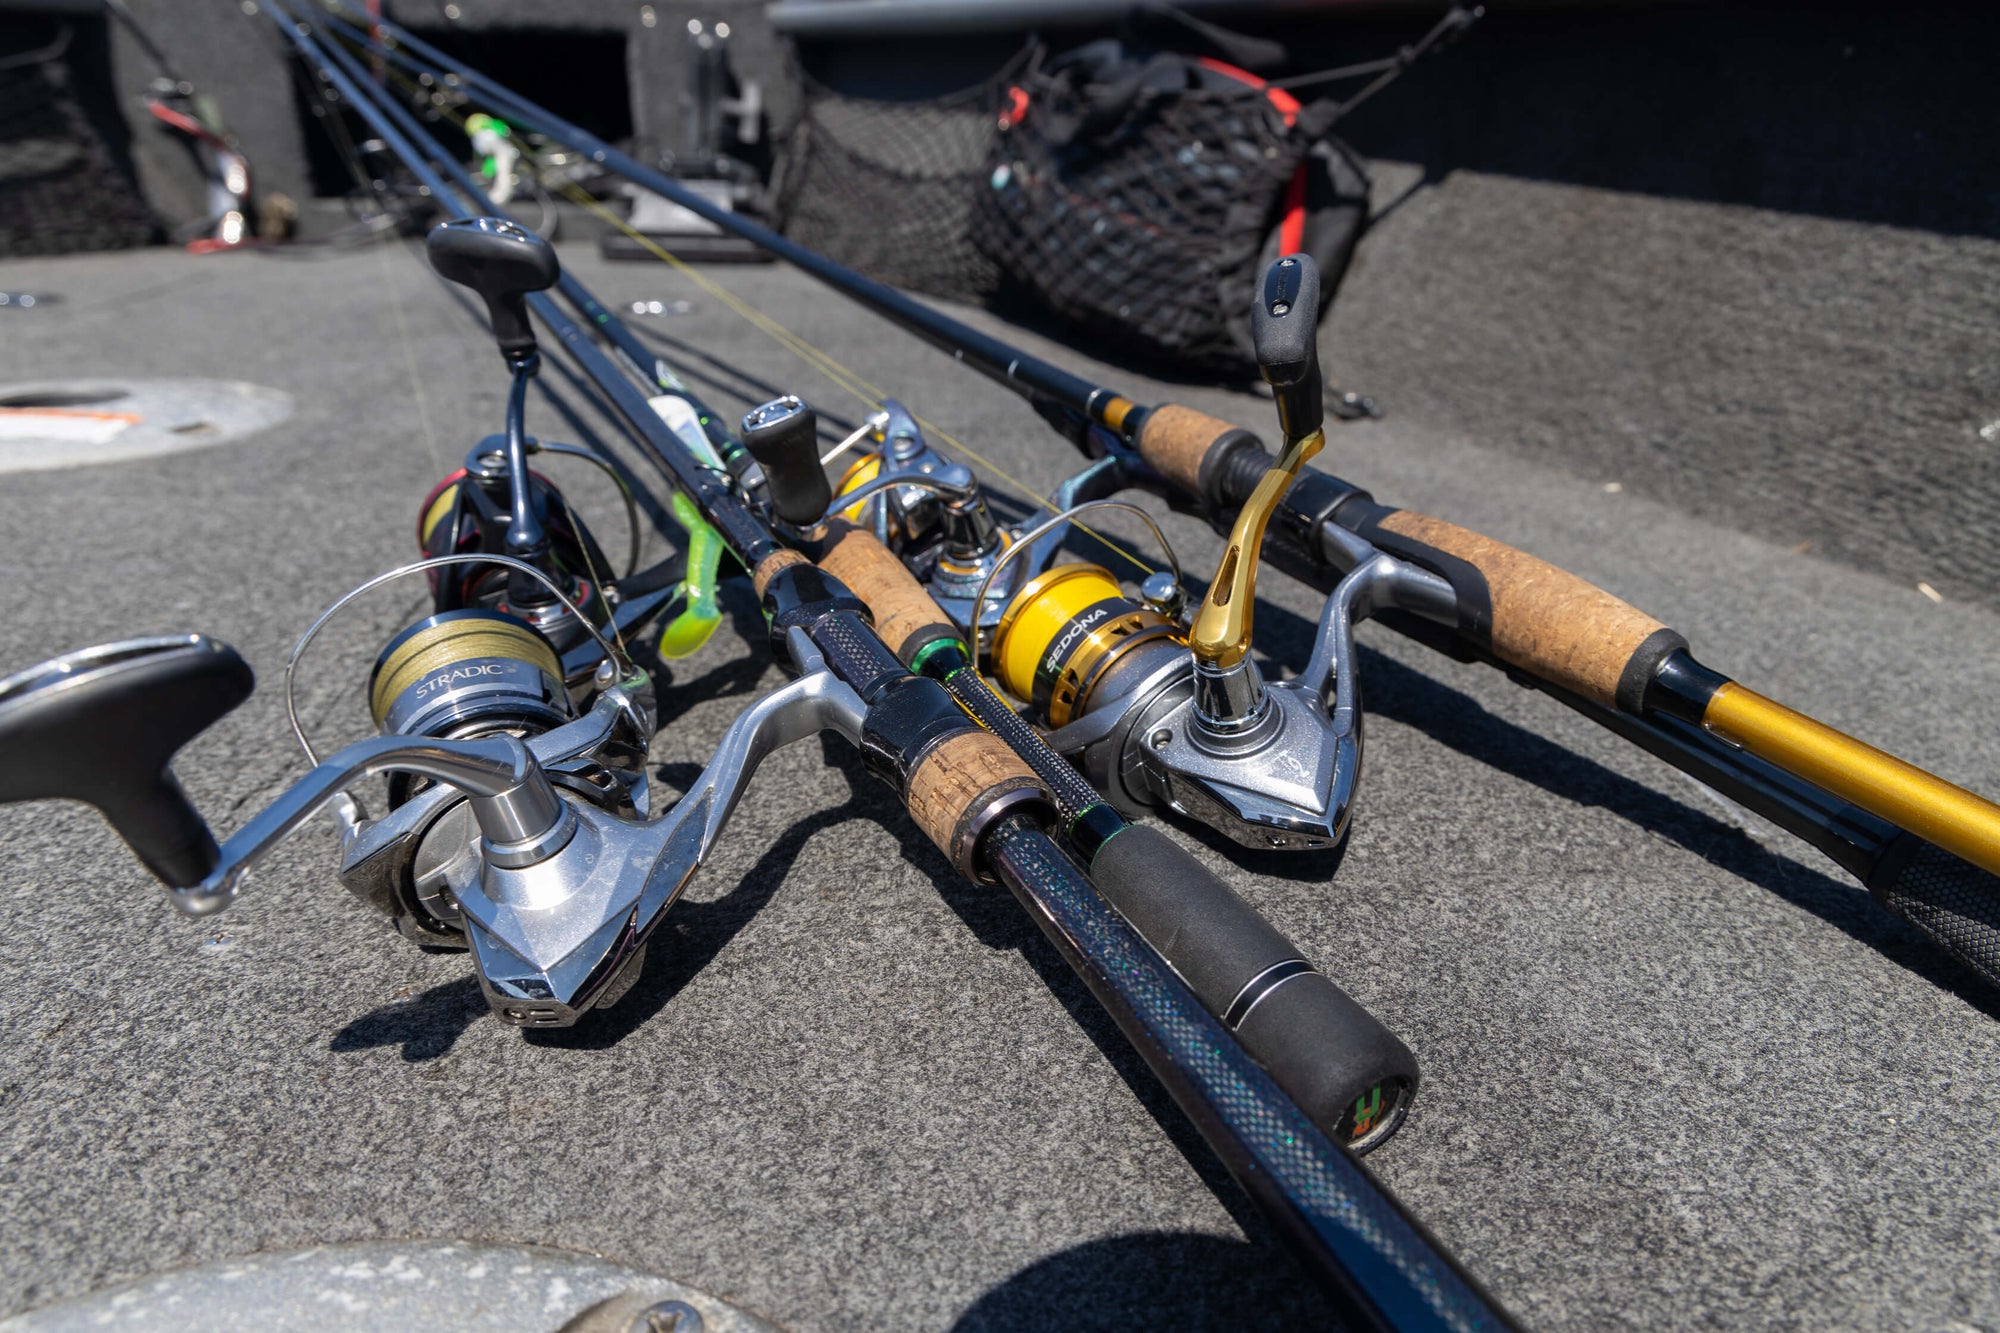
{"x": 513, "y": 729}
{"x": 520, "y": 851}
{"x": 471, "y": 510}
{"x": 1156, "y": 707}
{"x": 477, "y": 675}
{"x": 928, "y": 510}
{"x": 517, "y": 645}
{"x": 525, "y": 642}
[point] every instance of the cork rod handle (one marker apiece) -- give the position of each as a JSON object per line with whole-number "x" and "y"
{"x": 905, "y": 616}
{"x": 1523, "y": 610}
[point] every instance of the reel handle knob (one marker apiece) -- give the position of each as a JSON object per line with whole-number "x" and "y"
{"x": 1284, "y": 328}
{"x": 100, "y": 725}
{"x": 503, "y": 262}
{"x": 783, "y": 436}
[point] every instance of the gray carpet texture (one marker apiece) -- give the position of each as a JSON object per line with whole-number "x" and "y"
{"x": 1816, "y": 381}
{"x": 1679, "y": 1071}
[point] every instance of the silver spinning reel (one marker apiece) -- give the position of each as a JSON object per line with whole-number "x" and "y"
{"x": 1160, "y": 705}
{"x": 537, "y": 853}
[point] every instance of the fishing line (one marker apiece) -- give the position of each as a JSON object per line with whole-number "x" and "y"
{"x": 589, "y": 562}
{"x": 410, "y": 365}
{"x": 844, "y": 377}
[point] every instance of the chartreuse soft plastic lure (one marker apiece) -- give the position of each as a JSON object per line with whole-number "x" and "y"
{"x": 493, "y": 141}
{"x": 699, "y": 613}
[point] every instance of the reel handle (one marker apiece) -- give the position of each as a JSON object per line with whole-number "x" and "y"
{"x": 783, "y": 436}
{"x": 503, "y": 262}
{"x": 521, "y": 820}
{"x": 1527, "y": 612}
{"x": 1284, "y": 329}
{"x": 100, "y": 725}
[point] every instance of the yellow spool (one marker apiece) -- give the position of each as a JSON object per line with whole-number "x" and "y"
{"x": 446, "y": 501}
{"x": 1061, "y": 634}
{"x": 865, "y": 470}
{"x": 1039, "y": 615}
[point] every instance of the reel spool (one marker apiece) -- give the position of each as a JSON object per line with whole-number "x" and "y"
{"x": 465, "y": 674}
{"x": 1062, "y": 635}
{"x": 864, "y": 470}
{"x": 462, "y": 675}
{"x": 909, "y": 513}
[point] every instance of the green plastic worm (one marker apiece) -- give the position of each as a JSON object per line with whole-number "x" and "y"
{"x": 699, "y": 615}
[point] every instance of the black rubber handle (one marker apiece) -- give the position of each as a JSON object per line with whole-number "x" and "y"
{"x": 1951, "y": 900}
{"x": 783, "y": 436}
{"x": 1284, "y": 328}
{"x": 503, "y": 262}
{"x": 100, "y": 726}
{"x": 1346, "y": 1071}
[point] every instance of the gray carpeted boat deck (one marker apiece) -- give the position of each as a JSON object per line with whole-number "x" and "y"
{"x": 1679, "y": 1070}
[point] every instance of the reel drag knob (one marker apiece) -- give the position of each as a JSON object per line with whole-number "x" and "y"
{"x": 503, "y": 262}
{"x": 100, "y": 725}
{"x": 783, "y": 436}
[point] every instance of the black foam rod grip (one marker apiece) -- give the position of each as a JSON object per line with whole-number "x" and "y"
{"x": 503, "y": 262}
{"x": 1284, "y": 327}
{"x": 100, "y": 725}
{"x": 1342, "y": 1066}
{"x": 1953, "y": 901}
{"x": 783, "y": 436}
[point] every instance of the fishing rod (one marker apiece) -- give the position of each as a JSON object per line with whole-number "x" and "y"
{"x": 231, "y": 219}
{"x": 1124, "y": 855}
{"x": 545, "y": 860}
{"x": 1347, "y": 1071}
{"x": 1926, "y": 849}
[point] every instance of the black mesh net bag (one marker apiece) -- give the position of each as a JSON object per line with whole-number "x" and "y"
{"x": 1139, "y": 194}
{"x": 887, "y": 187}
{"x": 60, "y": 189}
